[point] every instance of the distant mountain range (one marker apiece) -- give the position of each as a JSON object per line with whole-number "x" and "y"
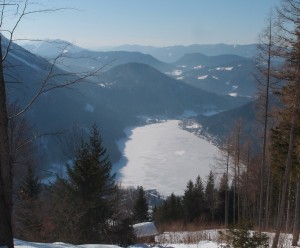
{"x": 171, "y": 54}
{"x": 225, "y": 73}
{"x": 50, "y": 48}
{"x": 132, "y": 85}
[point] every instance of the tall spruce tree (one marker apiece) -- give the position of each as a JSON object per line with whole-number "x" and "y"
{"x": 170, "y": 210}
{"x": 211, "y": 196}
{"x": 140, "y": 211}
{"x": 194, "y": 200}
{"x": 91, "y": 188}
{"x": 222, "y": 207}
{"x": 189, "y": 202}
{"x": 28, "y": 222}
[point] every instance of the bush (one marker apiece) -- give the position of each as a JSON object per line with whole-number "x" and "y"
{"x": 241, "y": 237}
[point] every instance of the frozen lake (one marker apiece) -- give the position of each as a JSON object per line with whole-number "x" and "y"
{"x": 164, "y": 157}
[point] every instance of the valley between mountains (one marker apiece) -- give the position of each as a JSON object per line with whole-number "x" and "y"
{"x": 130, "y": 85}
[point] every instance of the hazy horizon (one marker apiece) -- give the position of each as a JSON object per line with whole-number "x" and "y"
{"x": 105, "y": 24}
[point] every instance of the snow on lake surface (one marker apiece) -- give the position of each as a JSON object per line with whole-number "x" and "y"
{"x": 162, "y": 156}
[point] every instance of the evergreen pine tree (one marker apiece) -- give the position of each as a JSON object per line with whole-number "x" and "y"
{"x": 222, "y": 209}
{"x": 91, "y": 188}
{"x": 31, "y": 187}
{"x": 200, "y": 196}
{"x": 211, "y": 196}
{"x": 174, "y": 208}
{"x": 170, "y": 210}
{"x": 193, "y": 200}
{"x": 140, "y": 211}
{"x": 27, "y": 219}
{"x": 189, "y": 202}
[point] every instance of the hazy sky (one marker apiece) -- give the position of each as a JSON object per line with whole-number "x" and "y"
{"x": 98, "y": 23}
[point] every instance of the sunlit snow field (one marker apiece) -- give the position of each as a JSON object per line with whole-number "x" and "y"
{"x": 164, "y": 157}
{"x": 200, "y": 239}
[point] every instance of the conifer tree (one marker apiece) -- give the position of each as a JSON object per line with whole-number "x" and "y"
{"x": 200, "y": 196}
{"x": 140, "y": 211}
{"x": 174, "y": 206}
{"x": 189, "y": 202}
{"x": 193, "y": 200}
{"x": 211, "y": 196}
{"x": 27, "y": 218}
{"x": 170, "y": 210}
{"x": 91, "y": 188}
{"x": 222, "y": 206}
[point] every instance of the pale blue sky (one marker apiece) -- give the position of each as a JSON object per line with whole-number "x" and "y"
{"x": 98, "y": 23}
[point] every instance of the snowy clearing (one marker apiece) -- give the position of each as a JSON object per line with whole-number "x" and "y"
{"x": 233, "y": 94}
{"x": 202, "y": 77}
{"x": 198, "y": 67}
{"x": 176, "y": 72}
{"x": 197, "y": 239}
{"x": 224, "y": 68}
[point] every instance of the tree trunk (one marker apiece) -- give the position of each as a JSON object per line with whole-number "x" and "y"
{"x": 227, "y": 186}
{"x": 265, "y": 134}
{"x": 245, "y": 207}
{"x": 288, "y": 212}
{"x": 6, "y": 235}
{"x": 296, "y": 228}
{"x": 286, "y": 177}
{"x": 268, "y": 198}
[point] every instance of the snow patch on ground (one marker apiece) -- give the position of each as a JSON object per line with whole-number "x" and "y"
{"x": 224, "y": 68}
{"x": 198, "y": 67}
{"x": 202, "y": 77}
{"x": 105, "y": 85}
{"x": 176, "y": 72}
{"x": 193, "y": 125}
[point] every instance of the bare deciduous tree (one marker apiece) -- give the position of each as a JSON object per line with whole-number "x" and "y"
{"x": 264, "y": 78}
{"x": 288, "y": 33}
{"x": 19, "y": 9}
